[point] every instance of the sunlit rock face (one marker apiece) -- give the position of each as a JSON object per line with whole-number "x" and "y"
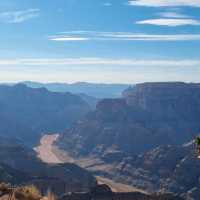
{"x": 167, "y": 100}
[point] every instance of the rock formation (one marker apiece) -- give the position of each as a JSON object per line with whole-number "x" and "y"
{"x": 140, "y": 137}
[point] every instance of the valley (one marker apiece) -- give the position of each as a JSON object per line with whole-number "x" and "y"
{"x": 139, "y": 139}
{"x": 50, "y": 153}
{"x": 100, "y": 100}
{"x": 141, "y": 143}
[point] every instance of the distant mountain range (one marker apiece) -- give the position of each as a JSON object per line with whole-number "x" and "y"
{"x": 26, "y": 113}
{"x": 147, "y": 118}
{"x": 96, "y": 90}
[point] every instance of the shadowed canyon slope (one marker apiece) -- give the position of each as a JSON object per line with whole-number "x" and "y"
{"x": 26, "y": 113}
{"x": 20, "y": 165}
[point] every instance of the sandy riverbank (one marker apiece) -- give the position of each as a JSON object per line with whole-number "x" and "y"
{"x": 49, "y": 153}
{"x": 44, "y": 150}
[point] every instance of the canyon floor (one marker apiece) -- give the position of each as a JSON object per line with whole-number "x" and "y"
{"x": 49, "y": 153}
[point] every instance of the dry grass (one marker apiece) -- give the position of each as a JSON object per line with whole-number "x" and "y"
{"x": 20, "y": 193}
{"x": 28, "y": 193}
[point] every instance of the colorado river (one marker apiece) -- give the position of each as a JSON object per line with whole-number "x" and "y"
{"x": 45, "y": 149}
{"x": 46, "y": 152}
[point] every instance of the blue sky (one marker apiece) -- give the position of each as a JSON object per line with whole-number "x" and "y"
{"x": 100, "y": 40}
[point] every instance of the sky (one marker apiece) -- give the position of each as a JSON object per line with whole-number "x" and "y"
{"x": 110, "y": 41}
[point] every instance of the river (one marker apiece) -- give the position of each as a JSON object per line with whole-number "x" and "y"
{"x": 46, "y": 152}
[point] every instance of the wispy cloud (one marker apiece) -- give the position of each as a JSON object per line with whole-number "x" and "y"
{"x": 170, "y": 22}
{"x": 98, "y": 61}
{"x": 126, "y": 36}
{"x": 165, "y": 3}
{"x": 172, "y": 18}
{"x": 173, "y": 14}
{"x": 19, "y": 16}
{"x": 68, "y": 38}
